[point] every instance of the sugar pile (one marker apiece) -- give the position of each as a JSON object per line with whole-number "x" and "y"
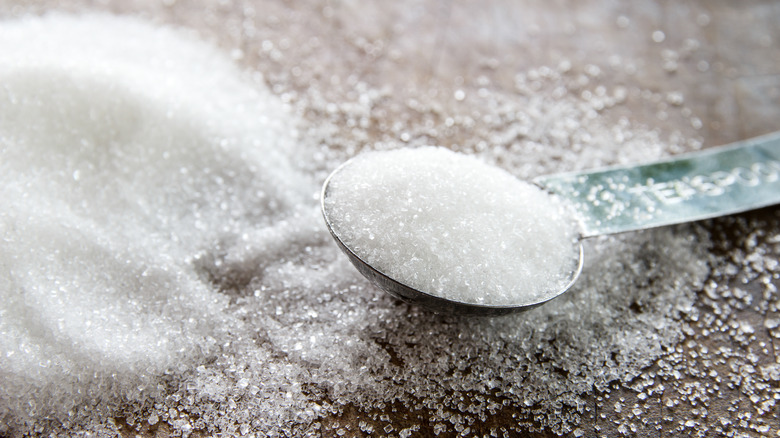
{"x": 165, "y": 266}
{"x": 119, "y": 186}
{"x": 449, "y": 225}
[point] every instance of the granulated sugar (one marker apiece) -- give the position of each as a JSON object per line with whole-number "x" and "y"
{"x": 165, "y": 266}
{"x": 120, "y": 184}
{"x": 451, "y": 226}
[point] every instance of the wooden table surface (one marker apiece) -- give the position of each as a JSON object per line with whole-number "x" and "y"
{"x": 722, "y": 56}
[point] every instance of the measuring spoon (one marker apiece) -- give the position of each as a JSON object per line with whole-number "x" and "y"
{"x": 688, "y": 187}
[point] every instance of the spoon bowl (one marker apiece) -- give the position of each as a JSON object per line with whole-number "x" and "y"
{"x": 437, "y": 303}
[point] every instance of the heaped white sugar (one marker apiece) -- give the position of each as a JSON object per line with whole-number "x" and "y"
{"x": 131, "y": 157}
{"x": 452, "y": 226}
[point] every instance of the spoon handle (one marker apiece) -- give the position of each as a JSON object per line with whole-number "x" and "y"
{"x": 714, "y": 182}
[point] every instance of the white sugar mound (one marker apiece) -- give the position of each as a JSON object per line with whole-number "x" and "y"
{"x": 452, "y": 226}
{"x": 116, "y": 181}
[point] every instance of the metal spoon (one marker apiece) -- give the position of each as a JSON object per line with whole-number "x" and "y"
{"x": 689, "y": 187}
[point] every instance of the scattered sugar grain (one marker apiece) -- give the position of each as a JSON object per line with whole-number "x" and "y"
{"x": 452, "y": 226}
{"x": 270, "y": 279}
